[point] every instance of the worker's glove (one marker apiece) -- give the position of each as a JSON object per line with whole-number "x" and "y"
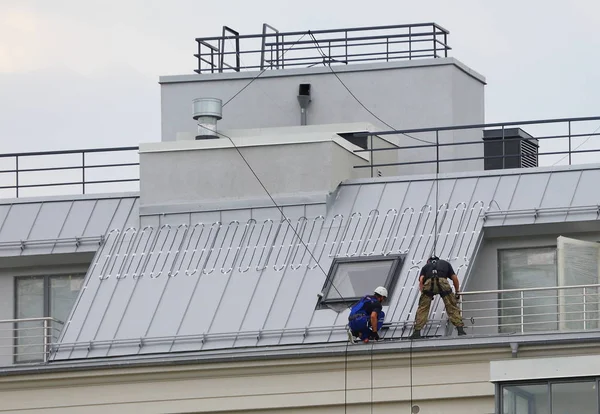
{"x": 457, "y": 296}
{"x": 375, "y": 336}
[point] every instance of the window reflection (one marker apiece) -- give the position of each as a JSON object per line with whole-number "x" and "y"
{"x": 575, "y": 397}
{"x": 528, "y": 268}
{"x": 525, "y": 399}
{"x": 551, "y": 397}
{"x": 38, "y": 297}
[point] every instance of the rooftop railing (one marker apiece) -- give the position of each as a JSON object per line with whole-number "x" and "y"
{"x": 565, "y": 141}
{"x": 81, "y": 171}
{"x": 272, "y": 49}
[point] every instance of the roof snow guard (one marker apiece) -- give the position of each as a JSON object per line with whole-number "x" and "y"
{"x": 191, "y": 283}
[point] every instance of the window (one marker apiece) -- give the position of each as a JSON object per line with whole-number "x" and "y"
{"x": 551, "y": 397}
{"x": 522, "y": 269}
{"x": 351, "y": 278}
{"x": 41, "y": 296}
{"x": 572, "y": 263}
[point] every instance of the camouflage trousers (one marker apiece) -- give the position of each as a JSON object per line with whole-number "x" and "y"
{"x": 432, "y": 287}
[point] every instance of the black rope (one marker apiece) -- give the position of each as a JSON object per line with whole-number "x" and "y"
{"x": 283, "y": 215}
{"x": 346, "y": 378}
{"x": 354, "y": 96}
{"x": 410, "y": 363}
{"x": 327, "y": 277}
{"x": 437, "y": 190}
{"x": 261, "y": 72}
{"x": 372, "y": 346}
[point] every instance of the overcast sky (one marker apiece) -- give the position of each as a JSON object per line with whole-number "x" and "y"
{"x": 84, "y": 73}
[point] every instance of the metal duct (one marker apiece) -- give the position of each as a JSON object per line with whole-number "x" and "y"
{"x": 207, "y": 111}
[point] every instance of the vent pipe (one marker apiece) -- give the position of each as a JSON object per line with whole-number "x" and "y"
{"x": 303, "y": 100}
{"x": 207, "y": 111}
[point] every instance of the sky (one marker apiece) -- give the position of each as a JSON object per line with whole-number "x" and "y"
{"x": 84, "y": 73}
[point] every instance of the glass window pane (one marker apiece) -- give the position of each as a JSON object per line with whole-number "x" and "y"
{"x": 528, "y": 268}
{"x": 579, "y": 264}
{"x": 575, "y": 397}
{"x": 525, "y": 399}
{"x": 30, "y": 304}
{"x": 63, "y": 293}
{"x": 356, "y": 279}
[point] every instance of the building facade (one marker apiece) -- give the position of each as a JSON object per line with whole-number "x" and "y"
{"x": 222, "y": 283}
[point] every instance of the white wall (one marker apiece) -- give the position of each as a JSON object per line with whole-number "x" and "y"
{"x": 204, "y": 175}
{"x": 413, "y": 94}
{"x": 443, "y": 381}
{"x": 294, "y": 386}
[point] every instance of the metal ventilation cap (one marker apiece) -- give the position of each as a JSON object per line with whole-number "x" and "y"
{"x": 207, "y": 107}
{"x": 207, "y": 111}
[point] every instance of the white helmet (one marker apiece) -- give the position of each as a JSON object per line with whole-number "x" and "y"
{"x": 381, "y": 291}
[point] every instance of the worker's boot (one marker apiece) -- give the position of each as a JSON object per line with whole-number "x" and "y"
{"x": 461, "y": 330}
{"x": 416, "y": 334}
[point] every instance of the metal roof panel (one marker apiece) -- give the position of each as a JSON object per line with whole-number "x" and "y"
{"x": 19, "y": 222}
{"x": 242, "y": 277}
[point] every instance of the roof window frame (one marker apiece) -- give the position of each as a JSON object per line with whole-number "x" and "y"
{"x": 390, "y": 281}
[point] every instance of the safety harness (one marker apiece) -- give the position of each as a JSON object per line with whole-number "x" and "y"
{"x": 358, "y": 310}
{"x": 434, "y": 276}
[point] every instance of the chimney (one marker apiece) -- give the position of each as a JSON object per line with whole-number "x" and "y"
{"x": 207, "y": 111}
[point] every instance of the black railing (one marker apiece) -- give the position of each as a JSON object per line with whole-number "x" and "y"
{"x": 71, "y": 171}
{"x": 432, "y": 145}
{"x": 278, "y": 50}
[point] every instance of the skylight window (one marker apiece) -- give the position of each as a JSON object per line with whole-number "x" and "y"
{"x": 351, "y": 278}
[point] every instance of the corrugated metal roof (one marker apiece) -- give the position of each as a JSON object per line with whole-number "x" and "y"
{"x": 241, "y": 278}
{"x": 31, "y": 227}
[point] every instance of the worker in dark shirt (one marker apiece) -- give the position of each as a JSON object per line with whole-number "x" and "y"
{"x": 433, "y": 280}
{"x": 366, "y": 317}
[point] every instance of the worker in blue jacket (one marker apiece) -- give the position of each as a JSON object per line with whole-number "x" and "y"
{"x": 366, "y": 317}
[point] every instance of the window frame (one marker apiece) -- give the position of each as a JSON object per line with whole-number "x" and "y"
{"x": 46, "y": 305}
{"x": 390, "y": 281}
{"x": 46, "y": 289}
{"x": 548, "y": 383}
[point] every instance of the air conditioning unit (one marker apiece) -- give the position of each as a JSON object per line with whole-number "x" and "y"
{"x": 509, "y": 148}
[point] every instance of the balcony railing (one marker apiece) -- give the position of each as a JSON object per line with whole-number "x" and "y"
{"x": 272, "y": 49}
{"x": 27, "y": 340}
{"x": 82, "y": 171}
{"x": 547, "y": 309}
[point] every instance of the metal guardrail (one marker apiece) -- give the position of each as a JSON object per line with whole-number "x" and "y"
{"x": 27, "y": 340}
{"x": 81, "y": 171}
{"x": 559, "y": 308}
{"x": 432, "y": 145}
{"x": 491, "y": 312}
{"x": 271, "y": 49}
